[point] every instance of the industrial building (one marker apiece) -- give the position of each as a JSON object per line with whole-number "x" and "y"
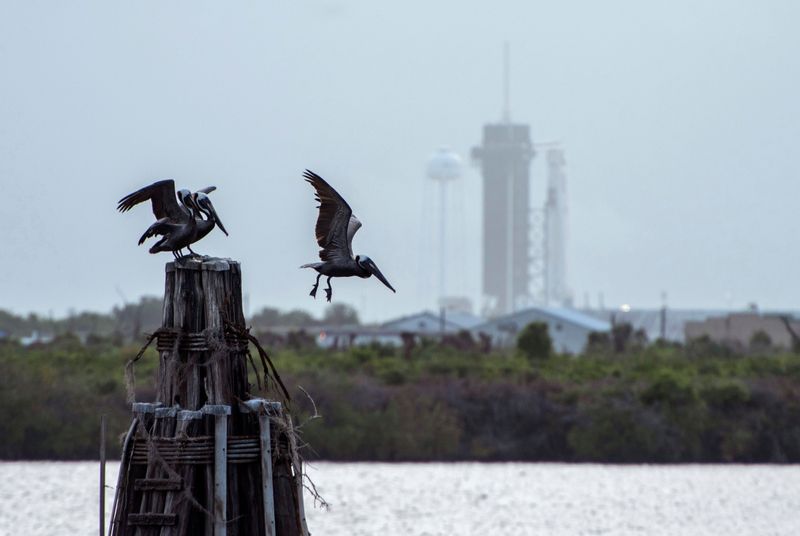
{"x": 736, "y": 330}
{"x": 658, "y": 323}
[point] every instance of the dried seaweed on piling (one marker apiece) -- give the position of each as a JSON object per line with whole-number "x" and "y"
{"x": 265, "y": 359}
{"x": 218, "y": 347}
{"x": 130, "y": 373}
{"x": 285, "y": 425}
{"x": 296, "y": 443}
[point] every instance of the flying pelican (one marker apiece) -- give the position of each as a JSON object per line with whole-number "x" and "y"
{"x": 178, "y": 216}
{"x": 335, "y": 229}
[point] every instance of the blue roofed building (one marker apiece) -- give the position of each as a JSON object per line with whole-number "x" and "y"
{"x": 569, "y": 329}
{"x": 425, "y": 324}
{"x": 429, "y": 323}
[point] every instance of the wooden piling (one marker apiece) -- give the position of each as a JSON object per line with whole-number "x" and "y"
{"x": 102, "y": 475}
{"x": 205, "y": 458}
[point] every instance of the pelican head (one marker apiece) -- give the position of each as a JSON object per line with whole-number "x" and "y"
{"x": 203, "y": 203}
{"x": 189, "y": 202}
{"x": 183, "y": 194}
{"x": 367, "y": 264}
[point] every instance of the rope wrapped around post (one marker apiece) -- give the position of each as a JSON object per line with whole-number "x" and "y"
{"x": 235, "y": 338}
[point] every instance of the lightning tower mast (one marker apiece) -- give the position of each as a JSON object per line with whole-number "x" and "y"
{"x": 556, "y": 291}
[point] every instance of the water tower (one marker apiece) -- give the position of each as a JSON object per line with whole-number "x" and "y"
{"x": 444, "y": 167}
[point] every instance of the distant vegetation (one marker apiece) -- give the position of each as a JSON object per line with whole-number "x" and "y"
{"x": 336, "y": 314}
{"x": 127, "y": 323}
{"x": 123, "y": 323}
{"x": 653, "y": 404}
{"x": 623, "y": 401}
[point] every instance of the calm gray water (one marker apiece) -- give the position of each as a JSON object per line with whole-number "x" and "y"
{"x": 55, "y": 499}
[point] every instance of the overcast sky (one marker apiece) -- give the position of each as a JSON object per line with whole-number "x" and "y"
{"x": 680, "y": 122}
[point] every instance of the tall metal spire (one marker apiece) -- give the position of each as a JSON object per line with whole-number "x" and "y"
{"x": 556, "y": 291}
{"x": 506, "y": 76}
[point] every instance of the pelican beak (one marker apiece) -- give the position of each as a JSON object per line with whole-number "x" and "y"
{"x": 216, "y": 219}
{"x": 373, "y": 269}
{"x": 219, "y": 224}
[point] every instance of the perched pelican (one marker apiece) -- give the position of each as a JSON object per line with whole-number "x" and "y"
{"x": 179, "y": 216}
{"x": 335, "y": 229}
{"x": 204, "y": 226}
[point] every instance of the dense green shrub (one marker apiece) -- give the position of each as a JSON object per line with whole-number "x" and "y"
{"x": 660, "y": 403}
{"x": 671, "y": 388}
{"x": 534, "y": 341}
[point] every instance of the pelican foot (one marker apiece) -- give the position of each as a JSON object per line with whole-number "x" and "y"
{"x": 313, "y": 292}
{"x": 328, "y": 293}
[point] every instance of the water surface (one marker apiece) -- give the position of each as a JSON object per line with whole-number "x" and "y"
{"x": 54, "y": 499}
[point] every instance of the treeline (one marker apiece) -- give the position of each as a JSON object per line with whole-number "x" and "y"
{"x": 128, "y": 322}
{"x": 655, "y": 404}
{"x": 53, "y": 395}
{"x": 337, "y": 314}
{"x": 617, "y": 403}
{"x": 122, "y": 323}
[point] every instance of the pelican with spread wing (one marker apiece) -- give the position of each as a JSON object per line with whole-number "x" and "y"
{"x": 335, "y": 229}
{"x": 180, "y": 220}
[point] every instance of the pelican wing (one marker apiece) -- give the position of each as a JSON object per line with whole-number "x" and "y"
{"x": 160, "y": 228}
{"x": 207, "y": 189}
{"x": 162, "y": 196}
{"x": 336, "y": 224}
{"x": 352, "y": 226}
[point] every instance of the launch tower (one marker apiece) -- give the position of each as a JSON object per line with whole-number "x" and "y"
{"x": 504, "y": 156}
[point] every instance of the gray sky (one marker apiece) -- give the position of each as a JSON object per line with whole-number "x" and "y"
{"x": 680, "y": 122}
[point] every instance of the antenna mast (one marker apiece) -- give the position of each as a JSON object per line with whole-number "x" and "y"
{"x": 506, "y": 75}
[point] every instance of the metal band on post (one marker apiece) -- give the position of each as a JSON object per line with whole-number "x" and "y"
{"x": 220, "y": 413}
{"x": 142, "y": 408}
{"x": 167, "y": 412}
{"x": 265, "y": 408}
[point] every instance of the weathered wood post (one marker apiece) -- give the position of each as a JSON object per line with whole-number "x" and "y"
{"x": 206, "y": 457}
{"x": 102, "y": 475}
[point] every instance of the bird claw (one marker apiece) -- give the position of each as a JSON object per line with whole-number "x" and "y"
{"x": 328, "y": 294}
{"x": 313, "y": 292}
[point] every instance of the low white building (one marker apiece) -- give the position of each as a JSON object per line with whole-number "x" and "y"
{"x": 37, "y": 338}
{"x": 569, "y": 329}
{"x": 429, "y": 323}
{"x": 425, "y": 324}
